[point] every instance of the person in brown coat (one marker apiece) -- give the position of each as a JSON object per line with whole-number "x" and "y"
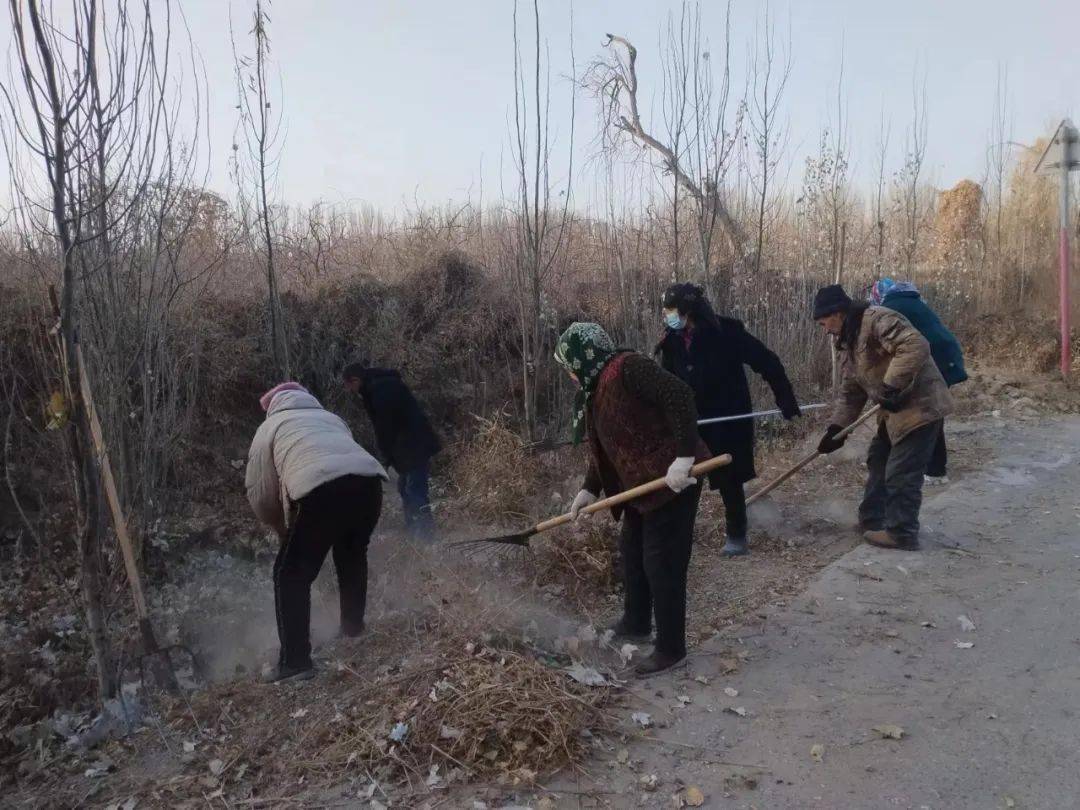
{"x": 885, "y": 359}
{"x": 641, "y": 424}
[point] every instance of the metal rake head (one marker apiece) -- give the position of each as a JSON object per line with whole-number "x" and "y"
{"x": 493, "y": 545}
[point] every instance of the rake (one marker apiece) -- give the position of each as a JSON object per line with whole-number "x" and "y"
{"x": 521, "y": 539}
{"x": 769, "y": 487}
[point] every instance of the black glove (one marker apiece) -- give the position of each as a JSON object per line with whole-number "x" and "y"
{"x": 892, "y": 399}
{"x": 789, "y": 409}
{"x": 829, "y": 443}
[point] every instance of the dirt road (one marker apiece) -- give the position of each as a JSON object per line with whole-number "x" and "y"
{"x": 989, "y": 714}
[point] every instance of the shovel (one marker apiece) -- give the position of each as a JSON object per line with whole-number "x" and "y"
{"x": 522, "y": 538}
{"x": 843, "y": 434}
{"x": 154, "y": 658}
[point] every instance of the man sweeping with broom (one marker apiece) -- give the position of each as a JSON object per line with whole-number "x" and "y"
{"x": 641, "y": 424}
{"x": 884, "y": 358}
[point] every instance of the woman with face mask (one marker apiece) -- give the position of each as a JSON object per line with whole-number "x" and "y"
{"x": 708, "y": 353}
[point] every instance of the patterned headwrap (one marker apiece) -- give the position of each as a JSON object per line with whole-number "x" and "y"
{"x": 879, "y": 289}
{"x": 584, "y": 348}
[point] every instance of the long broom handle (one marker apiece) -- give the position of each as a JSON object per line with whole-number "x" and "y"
{"x": 769, "y": 487}
{"x": 127, "y": 549}
{"x": 715, "y": 419}
{"x": 643, "y": 489}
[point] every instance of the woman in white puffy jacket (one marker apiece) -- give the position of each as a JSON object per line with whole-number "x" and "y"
{"x": 310, "y": 481}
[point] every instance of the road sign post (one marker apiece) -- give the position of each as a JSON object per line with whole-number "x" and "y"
{"x": 1062, "y": 156}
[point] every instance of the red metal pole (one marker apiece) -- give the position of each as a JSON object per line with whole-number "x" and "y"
{"x": 1066, "y": 348}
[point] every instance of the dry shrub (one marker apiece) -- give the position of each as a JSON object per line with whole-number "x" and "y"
{"x": 957, "y": 221}
{"x": 493, "y": 473}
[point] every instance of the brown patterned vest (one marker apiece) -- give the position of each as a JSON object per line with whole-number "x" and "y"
{"x": 630, "y": 439}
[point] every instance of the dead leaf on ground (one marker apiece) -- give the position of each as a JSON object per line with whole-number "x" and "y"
{"x": 739, "y": 710}
{"x": 694, "y": 797}
{"x": 890, "y": 731}
{"x": 964, "y": 645}
{"x": 817, "y": 751}
{"x": 643, "y": 719}
{"x": 728, "y": 665}
{"x": 966, "y": 624}
{"x": 731, "y": 692}
{"x": 650, "y": 782}
{"x": 585, "y": 675}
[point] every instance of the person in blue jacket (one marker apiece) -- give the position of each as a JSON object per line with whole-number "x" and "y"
{"x": 904, "y": 297}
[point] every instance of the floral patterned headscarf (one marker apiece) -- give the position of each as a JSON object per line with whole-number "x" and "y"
{"x": 584, "y": 348}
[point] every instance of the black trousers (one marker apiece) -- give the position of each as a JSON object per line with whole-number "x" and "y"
{"x": 894, "y": 481}
{"x": 338, "y": 516}
{"x": 734, "y": 497}
{"x": 939, "y": 459}
{"x": 656, "y": 557}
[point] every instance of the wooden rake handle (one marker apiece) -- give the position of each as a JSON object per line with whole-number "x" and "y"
{"x": 644, "y": 489}
{"x": 843, "y": 434}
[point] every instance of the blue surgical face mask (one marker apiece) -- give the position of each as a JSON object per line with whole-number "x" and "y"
{"x": 672, "y": 320}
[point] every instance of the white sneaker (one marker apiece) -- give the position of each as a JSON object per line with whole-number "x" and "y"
{"x": 935, "y": 481}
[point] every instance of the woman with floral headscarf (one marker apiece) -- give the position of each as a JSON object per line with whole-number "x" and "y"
{"x": 641, "y": 424}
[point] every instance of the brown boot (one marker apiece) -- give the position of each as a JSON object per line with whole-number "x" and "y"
{"x": 883, "y": 539}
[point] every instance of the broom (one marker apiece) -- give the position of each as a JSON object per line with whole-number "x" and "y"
{"x": 522, "y": 538}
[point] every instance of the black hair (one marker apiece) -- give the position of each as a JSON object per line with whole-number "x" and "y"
{"x": 354, "y": 371}
{"x": 690, "y": 300}
{"x": 849, "y": 331}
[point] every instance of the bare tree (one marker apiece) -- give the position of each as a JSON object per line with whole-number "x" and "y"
{"x": 87, "y": 139}
{"x": 768, "y": 135}
{"x": 907, "y": 189}
{"x": 702, "y": 129}
{"x": 997, "y": 159}
{"x": 256, "y": 158}
{"x": 542, "y": 223}
{"x": 879, "y": 200}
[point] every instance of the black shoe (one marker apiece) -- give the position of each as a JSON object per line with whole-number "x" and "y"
{"x": 623, "y": 632}
{"x": 735, "y": 547}
{"x": 885, "y": 539}
{"x": 351, "y": 630}
{"x": 657, "y": 662}
{"x": 282, "y": 674}
{"x": 870, "y": 525}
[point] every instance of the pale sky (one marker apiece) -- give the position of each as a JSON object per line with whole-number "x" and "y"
{"x": 395, "y": 102}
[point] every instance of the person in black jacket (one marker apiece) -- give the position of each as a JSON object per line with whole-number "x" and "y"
{"x": 708, "y": 352}
{"x": 405, "y": 438}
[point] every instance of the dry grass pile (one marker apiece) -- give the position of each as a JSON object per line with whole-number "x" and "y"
{"x": 487, "y": 713}
{"x": 582, "y": 557}
{"x": 495, "y": 475}
{"x": 463, "y": 712}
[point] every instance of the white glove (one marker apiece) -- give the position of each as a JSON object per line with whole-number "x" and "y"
{"x": 678, "y": 474}
{"x": 581, "y": 500}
